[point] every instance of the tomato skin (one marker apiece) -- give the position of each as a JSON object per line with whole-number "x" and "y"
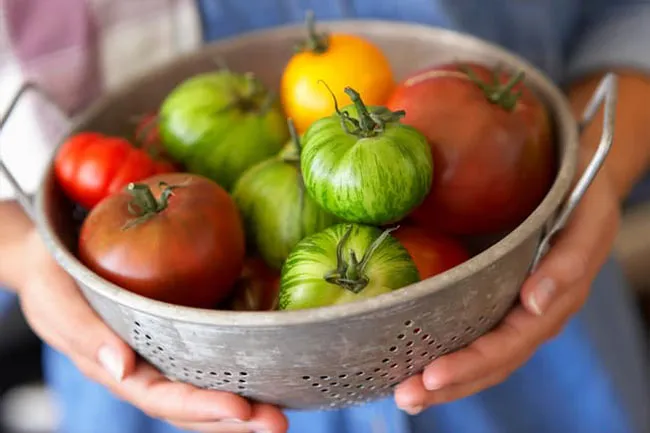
{"x": 90, "y": 166}
{"x": 257, "y": 287}
{"x": 349, "y": 60}
{"x": 433, "y": 253}
{"x": 276, "y": 209}
{"x": 191, "y": 253}
{"x": 493, "y": 167}
{"x": 369, "y": 180}
{"x": 218, "y": 124}
{"x": 303, "y": 283}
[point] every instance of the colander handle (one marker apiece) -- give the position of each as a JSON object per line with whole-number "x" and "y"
{"x": 23, "y": 198}
{"x": 606, "y": 94}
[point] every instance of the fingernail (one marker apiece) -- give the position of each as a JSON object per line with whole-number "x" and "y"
{"x": 232, "y": 420}
{"x": 413, "y": 410}
{"x": 432, "y": 383}
{"x": 112, "y": 362}
{"x": 542, "y": 296}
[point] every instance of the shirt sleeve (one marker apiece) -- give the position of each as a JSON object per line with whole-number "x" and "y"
{"x": 613, "y": 34}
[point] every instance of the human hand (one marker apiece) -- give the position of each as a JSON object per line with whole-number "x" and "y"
{"x": 549, "y": 297}
{"x": 60, "y": 315}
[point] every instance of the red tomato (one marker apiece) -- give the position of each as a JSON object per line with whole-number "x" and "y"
{"x": 147, "y": 137}
{"x": 90, "y": 166}
{"x": 257, "y": 288}
{"x": 433, "y": 253}
{"x": 181, "y": 243}
{"x": 494, "y": 160}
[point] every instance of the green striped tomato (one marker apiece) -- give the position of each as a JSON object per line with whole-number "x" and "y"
{"x": 275, "y": 207}
{"x": 219, "y": 124}
{"x": 363, "y": 165}
{"x": 344, "y": 263}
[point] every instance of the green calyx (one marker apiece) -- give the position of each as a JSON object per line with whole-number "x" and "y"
{"x": 317, "y": 43}
{"x": 144, "y": 204}
{"x": 351, "y": 274}
{"x": 497, "y": 93}
{"x": 252, "y": 97}
{"x": 369, "y": 123}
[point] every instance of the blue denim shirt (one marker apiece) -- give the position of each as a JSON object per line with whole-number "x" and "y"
{"x": 571, "y": 385}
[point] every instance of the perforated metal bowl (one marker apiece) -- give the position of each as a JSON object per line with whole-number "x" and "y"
{"x": 348, "y": 354}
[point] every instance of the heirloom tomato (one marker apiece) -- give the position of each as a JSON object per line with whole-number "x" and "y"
{"x": 344, "y": 263}
{"x": 176, "y": 238}
{"x": 433, "y": 253}
{"x": 219, "y": 124}
{"x": 364, "y": 166}
{"x": 277, "y": 211}
{"x": 256, "y": 288}
{"x": 340, "y": 60}
{"x": 147, "y": 135}
{"x": 90, "y": 166}
{"x": 492, "y": 142}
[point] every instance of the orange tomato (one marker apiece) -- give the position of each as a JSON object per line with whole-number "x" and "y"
{"x": 339, "y": 60}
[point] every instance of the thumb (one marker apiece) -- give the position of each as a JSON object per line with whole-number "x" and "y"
{"x": 61, "y": 316}
{"x": 579, "y": 251}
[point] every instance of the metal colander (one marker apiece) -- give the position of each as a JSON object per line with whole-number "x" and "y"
{"x": 343, "y": 355}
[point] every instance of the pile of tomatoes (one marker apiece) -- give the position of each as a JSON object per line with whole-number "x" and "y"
{"x": 346, "y": 186}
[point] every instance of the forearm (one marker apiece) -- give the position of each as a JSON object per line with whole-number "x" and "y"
{"x": 629, "y": 157}
{"x": 14, "y": 229}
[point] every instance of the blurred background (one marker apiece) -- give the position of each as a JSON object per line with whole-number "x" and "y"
{"x": 26, "y": 406}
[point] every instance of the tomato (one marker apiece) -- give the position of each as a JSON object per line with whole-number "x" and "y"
{"x": 257, "y": 287}
{"x": 219, "y": 124}
{"x": 276, "y": 209}
{"x": 433, "y": 253}
{"x": 364, "y": 166}
{"x": 344, "y": 263}
{"x": 339, "y": 60}
{"x": 176, "y": 238}
{"x": 90, "y": 166}
{"x": 147, "y": 136}
{"x": 492, "y": 143}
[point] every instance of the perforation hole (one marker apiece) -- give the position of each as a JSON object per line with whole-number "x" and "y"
{"x": 306, "y": 378}
{"x": 401, "y": 336}
{"x": 376, "y": 370}
{"x": 393, "y": 349}
{"x": 343, "y": 376}
{"x": 385, "y": 360}
{"x": 416, "y": 331}
{"x": 425, "y": 337}
{"x": 408, "y": 323}
{"x": 409, "y": 343}
{"x": 227, "y": 373}
{"x": 359, "y": 373}
{"x": 409, "y": 352}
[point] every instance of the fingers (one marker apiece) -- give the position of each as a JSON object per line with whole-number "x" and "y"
{"x": 58, "y": 312}
{"x": 486, "y": 362}
{"x": 512, "y": 342}
{"x": 178, "y": 403}
{"x": 580, "y": 250}
{"x": 265, "y": 419}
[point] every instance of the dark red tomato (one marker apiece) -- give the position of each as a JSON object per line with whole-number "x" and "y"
{"x": 257, "y": 288}
{"x": 176, "y": 238}
{"x": 90, "y": 166}
{"x": 433, "y": 253}
{"x": 494, "y": 158}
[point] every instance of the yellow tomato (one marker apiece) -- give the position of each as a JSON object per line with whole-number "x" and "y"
{"x": 339, "y": 60}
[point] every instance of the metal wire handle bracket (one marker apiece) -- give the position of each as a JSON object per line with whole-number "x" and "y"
{"x": 606, "y": 93}
{"x": 23, "y": 198}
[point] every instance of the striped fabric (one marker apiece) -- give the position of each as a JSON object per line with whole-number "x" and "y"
{"x": 79, "y": 49}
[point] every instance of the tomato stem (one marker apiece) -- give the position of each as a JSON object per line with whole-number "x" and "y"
{"x": 370, "y": 123}
{"x": 497, "y": 93}
{"x": 253, "y": 98}
{"x": 144, "y": 204}
{"x": 317, "y": 43}
{"x": 293, "y": 155}
{"x": 351, "y": 274}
